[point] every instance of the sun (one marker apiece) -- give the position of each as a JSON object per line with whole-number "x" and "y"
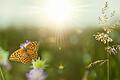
{"x": 58, "y": 11}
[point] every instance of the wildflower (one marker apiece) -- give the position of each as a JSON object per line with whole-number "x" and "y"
{"x": 61, "y": 66}
{"x": 103, "y": 37}
{"x": 24, "y": 44}
{"x": 36, "y": 74}
{"x": 111, "y": 27}
{"x": 108, "y": 29}
{"x": 112, "y": 13}
{"x": 4, "y": 59}
{"x": 104, "y": 9}
{"x": 118, "y": 47}
{"x": 111, "y": 49}
{"x": 39, "y": 64}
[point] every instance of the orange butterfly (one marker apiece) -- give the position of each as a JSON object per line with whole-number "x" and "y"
{"x": 26, "y": 53}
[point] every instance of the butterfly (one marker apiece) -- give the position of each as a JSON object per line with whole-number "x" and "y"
{"x": 26, "y": 53}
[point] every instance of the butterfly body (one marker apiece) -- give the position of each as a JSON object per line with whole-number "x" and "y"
{"x": 26, "y": 53}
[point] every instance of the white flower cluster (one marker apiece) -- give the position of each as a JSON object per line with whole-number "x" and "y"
{"x": 103, "y": 37}
{"x": 113, "y": 49}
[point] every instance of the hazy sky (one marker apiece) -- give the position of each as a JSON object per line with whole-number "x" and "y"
{"x": 30, "y": 11}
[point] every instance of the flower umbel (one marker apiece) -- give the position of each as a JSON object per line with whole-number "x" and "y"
{"x": 103, "y": 37}
{"x": 113, "y": 49}
{"x": 36, "y": 74}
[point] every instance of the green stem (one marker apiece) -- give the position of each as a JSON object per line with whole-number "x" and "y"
{"x": 108, "y": 67}
{"x": 3, "y": 78}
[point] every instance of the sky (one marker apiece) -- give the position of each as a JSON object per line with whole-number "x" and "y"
{"x": 84, "y": 12}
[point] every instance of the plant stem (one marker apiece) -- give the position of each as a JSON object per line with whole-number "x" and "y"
{"x": 108, "y": 67}
{"x": 3, "y": 78}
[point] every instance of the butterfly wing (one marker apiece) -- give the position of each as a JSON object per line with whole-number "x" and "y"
{"x": 32, "y": 49}
{"x": 25, "y": 55}
{"x": 20, "y": 56}
{"x": 15, "y": 56}
{"x": 25, "y": 59}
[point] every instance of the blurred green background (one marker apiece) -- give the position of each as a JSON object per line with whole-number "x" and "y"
{"x": 74, "y": 48}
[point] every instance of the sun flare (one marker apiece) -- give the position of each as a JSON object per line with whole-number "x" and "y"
{"x": 58, "y": 11}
